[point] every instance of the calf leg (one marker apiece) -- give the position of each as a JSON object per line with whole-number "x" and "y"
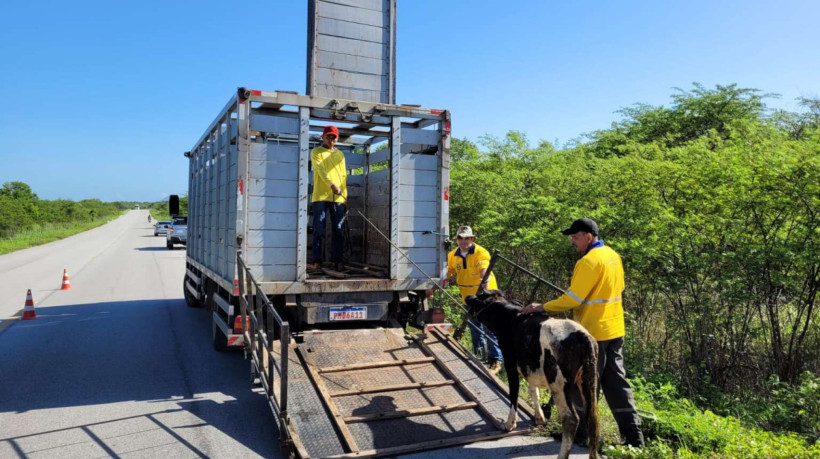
{"x": 569, "y": 420}
{"x": 536, "y": 405}
{"x": 513, "y": 380}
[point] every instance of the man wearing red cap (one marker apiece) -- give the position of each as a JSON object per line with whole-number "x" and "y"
{"x": 329, "y": 194}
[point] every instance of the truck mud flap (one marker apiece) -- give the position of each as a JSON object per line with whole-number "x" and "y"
{"x": 368, "y": 393}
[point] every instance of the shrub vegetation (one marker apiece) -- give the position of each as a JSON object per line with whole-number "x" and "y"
{"x": 714, "y": 205}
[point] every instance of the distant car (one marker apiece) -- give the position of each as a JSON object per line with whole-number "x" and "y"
{"x": 177, "y": 233}
{"x": 162, "y": 227}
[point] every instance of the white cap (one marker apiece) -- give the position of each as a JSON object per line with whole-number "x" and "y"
{"x": 465, "y": 231}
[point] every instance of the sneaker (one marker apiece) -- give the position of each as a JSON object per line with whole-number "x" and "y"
{"x": 494, "y": 366}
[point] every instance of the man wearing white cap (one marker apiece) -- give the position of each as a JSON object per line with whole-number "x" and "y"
{"x": 469, "y": 262}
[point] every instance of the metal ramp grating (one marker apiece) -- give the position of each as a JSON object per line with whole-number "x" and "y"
{"x": 364, "y": 393}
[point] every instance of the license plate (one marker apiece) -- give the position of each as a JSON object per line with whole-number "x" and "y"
{"x": 355, "y": 313}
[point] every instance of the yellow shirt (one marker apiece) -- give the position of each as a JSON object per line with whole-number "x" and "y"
{"x": 468, "y": 268}
{"x": 595, "y": 294}
{"x": 328, "y": 168}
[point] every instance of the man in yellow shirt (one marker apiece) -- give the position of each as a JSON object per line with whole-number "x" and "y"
{"x": 469, "y": 262}
{"x": 594, "y": 295}
{"x": 329, "y": 194}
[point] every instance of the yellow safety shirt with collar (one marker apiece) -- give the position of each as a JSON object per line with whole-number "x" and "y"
{"x": 595, "y": 293}
{"x": 328, "y": 168}
{"x": 467, "y": 269}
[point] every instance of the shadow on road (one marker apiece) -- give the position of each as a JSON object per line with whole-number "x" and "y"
{"x": 155, "y": 351}
{"x": 151, "y": 249}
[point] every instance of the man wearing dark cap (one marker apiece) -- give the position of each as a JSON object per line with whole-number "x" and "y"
{"x": 594, "y": 295}
{"x": 329, "y": 194}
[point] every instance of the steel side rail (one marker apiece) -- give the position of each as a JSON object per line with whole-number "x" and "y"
{"x": 264, "y": 334}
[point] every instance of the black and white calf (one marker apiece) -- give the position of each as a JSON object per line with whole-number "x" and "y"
{"x": 555, "y": 353}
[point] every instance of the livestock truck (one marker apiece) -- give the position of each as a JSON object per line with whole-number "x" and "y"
{"x": 343, "y": 373}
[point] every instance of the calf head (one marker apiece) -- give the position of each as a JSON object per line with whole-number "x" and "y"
{"x": 491, "y": 309}
{"x": 489, "y": 299}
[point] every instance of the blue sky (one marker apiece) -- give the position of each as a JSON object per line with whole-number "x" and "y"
{"x": 100, "y": 99}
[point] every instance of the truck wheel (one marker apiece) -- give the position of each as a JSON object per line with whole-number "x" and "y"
{"x": 169, "y": 245}
{"x": 190, "y": 299}
{"x": 219, "y": 339}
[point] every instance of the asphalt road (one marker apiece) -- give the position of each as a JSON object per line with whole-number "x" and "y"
{"x": 119, "y": 366}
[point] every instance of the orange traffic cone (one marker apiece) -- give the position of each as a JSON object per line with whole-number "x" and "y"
{"x": 66, "y": 282}
{"x": 28, "y": 310}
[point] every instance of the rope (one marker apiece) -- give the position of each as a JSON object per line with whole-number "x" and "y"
{"x": 460, "y": 329}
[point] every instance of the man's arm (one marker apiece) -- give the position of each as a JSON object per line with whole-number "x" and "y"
{"x": 483, "y": 258}
{"x": 451, "y": 269}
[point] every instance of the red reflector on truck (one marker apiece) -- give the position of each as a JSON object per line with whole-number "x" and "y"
{"x": 256, "y": 92}
{"x": 237, "y": 325}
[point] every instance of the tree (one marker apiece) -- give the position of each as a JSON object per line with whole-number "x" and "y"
{"x": 19, "y": 191}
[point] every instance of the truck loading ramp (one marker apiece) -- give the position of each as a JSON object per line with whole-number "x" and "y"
{"x": 379, "y": 392}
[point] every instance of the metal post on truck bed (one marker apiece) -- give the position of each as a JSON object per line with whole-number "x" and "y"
{"x": 302, "y": 191}
{"x": 395, "y": 192}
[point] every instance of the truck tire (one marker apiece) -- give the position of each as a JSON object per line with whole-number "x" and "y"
{"x": 190, "y": 300}
{"x": 218, "y": 338}
{"x": 170, "y": 245}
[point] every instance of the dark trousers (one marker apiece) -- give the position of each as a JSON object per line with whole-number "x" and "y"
{"x": 320, "y": 211}
{"x": 618, "y": 393}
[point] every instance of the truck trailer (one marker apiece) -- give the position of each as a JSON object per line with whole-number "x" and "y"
{"x": 250, "y": 183}
{"x": 342, "y": 374}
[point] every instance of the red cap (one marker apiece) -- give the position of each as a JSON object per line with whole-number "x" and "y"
{"x": 331, "y": 130}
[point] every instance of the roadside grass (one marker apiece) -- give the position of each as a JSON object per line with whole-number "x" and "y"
{"x": 46, "y": 233}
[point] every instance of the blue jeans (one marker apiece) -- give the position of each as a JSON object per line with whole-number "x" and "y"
{"x": 482, "y": 346}
{"x": 320, "y": 211}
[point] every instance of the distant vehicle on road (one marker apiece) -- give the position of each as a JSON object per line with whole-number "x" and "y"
{"x": 177, "y": 233}
{"x": 162, "y": 227}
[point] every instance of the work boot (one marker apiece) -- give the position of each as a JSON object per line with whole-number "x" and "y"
{"x": 314, "y": 267}
{"x": 635, "y": 439}
{"x": 494, "y": 366}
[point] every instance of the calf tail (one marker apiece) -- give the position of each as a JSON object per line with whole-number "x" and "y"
{"x": 589, "y": 389}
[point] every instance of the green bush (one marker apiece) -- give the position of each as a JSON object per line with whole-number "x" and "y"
{"x": 780, "y": 407}
{"x": 676, "y": 428}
